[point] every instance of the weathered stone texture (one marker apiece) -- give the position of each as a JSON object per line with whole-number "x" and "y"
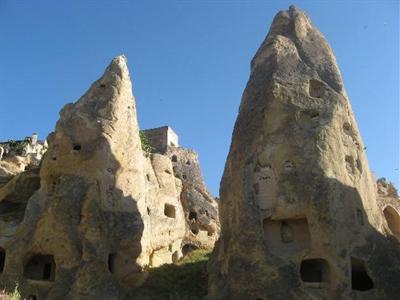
{"x": 201, "y": 209}
{"x": 101, "y": 212}
{"x": 389, "y": 205}
{"x": 298, "y": 205}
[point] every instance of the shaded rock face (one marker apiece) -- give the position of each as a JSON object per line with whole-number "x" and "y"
{"x": 86, "y": 214}
{"x": 101, "y": 211}
{"x": 201, "y": 209}
{"x": 298, "y": 210}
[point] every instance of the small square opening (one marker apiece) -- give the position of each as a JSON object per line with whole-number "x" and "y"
{"x": 169, "y": 210}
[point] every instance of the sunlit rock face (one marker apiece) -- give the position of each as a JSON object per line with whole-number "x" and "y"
{"x": 101, "y": 212}
{"x": 298, "y": 211}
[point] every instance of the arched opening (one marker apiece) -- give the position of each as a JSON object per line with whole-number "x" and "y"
{"x": 360, "y": 279}
{"x": 314, "y": 271}
{"x": 174, "y": 158}
{"x": 316, "y": 88}
{"x": 169, "y": 210}
{"x": 393, "y": 220}
{"x": 77, "y": 147}
{"x": 40, "y": 267}
{"x": 2, "y": 259}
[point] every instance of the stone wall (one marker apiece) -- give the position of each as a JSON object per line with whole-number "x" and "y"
{"x": 162, "y": 137}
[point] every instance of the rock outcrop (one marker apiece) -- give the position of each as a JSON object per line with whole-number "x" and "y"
{"x": 201, "y": 209}
{"x": 101, "y": 212}
{"x": 298, "y": 209}
{"x": 23, "y": 154}
{"x": 389, "y": 204}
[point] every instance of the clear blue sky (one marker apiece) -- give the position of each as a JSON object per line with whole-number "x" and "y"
{"x": 189, "y": 61}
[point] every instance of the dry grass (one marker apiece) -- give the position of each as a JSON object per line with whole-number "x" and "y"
{"x": 187, "y": 278}
{"x": 13, "y": 296}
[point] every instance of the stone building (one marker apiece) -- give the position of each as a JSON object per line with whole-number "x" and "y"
{"x": 162, "y": 137}
{"x": 201, "y": 208}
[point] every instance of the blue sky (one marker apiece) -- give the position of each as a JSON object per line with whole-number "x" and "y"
{"x": 189, "y": 62}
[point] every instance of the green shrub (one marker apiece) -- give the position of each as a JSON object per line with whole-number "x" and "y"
{"x": 14, "y": 296}
{"x": 145, "y": 143}
{"x": 18, "y": 146}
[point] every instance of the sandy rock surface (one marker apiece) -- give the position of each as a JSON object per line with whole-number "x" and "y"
{"x": 298, "y": 210}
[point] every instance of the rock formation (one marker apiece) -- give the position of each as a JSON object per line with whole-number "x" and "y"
{"x": 16, "y": 156}
{"x": 298, "y": 211}
{"x": 101, "y": 212}
{"x": 201, "y": 209}
{"x": 389, "y": 204}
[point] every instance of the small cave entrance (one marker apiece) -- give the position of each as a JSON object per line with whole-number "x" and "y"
{"x": 76, "y": 147}
{"x": 192, "y": 216}
{"x": 349, "y": 161}
{"x": 175, "y": 257}
{"x": 188, "y": 248}
{"x": 210, "y": 231}
{"x": 2, "y": 259}
{"x": 169, "y": 210}
{"x": 393, "y": 220}
{"x": 111, "y": 262}
{"x": 314, "y": 271}
{"x": 195, "y": 230}
{"x": 316, "y": 88}
{"x": 40, "y": 267}
{"x": 360, "y": 280}
{"x": 174, "y": 158}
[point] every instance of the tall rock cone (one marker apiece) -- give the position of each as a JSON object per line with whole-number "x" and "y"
{"x": 85, "y": 220}
{"x": 102, "y": 210}
{"x": 298, "y": 211}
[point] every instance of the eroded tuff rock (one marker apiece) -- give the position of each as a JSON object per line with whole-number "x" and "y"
{"x": 17, "y": 156}
{"x": 201, "y": 209}
{"x": 389, "y": 204}
{"x": 298, "y": 208}
{"x": 102, "y": 211}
